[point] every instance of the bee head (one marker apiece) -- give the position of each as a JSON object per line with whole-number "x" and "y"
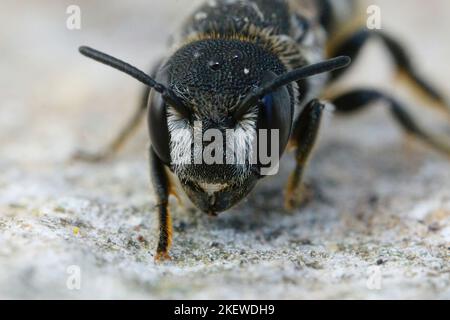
{"x": 210, "y": 148}
{"x": 219, "y": 109}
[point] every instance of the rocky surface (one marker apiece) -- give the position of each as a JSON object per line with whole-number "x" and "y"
{"x": 378, "y": 226}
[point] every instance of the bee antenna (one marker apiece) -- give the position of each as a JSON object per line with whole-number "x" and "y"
{"x": 292, "y": 76}
{"x": 134, "y": 72}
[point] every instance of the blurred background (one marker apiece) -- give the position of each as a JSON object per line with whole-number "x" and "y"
{"x": 53, "y": 214}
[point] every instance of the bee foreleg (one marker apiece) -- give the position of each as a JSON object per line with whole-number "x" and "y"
{"x": 161, "y": 186}
{"x": 304, "y": 136}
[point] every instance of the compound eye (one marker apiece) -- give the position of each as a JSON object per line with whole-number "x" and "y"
{"x": 276, "y": 113}
{"x": 268, "y": 105}
{"x": 157, "y": 125}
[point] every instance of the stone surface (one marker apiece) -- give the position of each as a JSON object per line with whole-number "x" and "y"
{"x": 381, "y": 210}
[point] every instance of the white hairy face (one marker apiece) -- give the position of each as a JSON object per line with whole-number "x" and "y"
{"x": 182, "y": 142}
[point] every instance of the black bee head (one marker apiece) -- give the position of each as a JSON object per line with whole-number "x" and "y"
{"x": 211, "y": 146}
{"x": 220, "y": 115}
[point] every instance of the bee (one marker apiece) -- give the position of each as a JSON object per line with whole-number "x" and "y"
{"x": 248, "y": 67}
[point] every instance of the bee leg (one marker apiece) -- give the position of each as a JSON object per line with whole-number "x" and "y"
{"x": 124, "y": 135}
{"x": 352, "y": 45}
{"x": 161, "y": 185}
{"x": 304, "y": 136}
{"x": 362, "y": 98}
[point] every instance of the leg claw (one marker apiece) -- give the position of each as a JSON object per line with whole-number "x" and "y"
{"x": 162, "y": 257}
{"x": 299, "y": 198}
